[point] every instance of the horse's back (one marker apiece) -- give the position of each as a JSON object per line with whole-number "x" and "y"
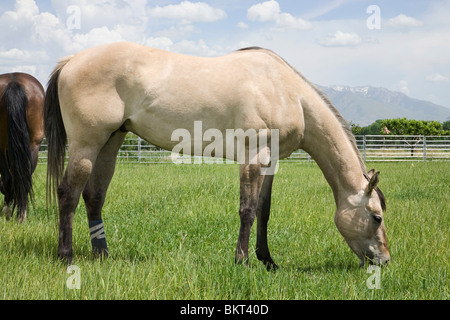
{"x": 32, "y": 86}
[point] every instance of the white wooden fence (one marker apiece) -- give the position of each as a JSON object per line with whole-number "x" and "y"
{"x": 371, "y": 147}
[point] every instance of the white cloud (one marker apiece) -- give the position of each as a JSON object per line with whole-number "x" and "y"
{"x": 271, "y": 11}
{"x": 47, "y": 27}
{"x": 104, "y": 13}
{"x": 287, "y": 21}
{"x": 95, "y": 37}
{"x": 30, "y": 69}
{"x": 197, "y": 48}
{"x": 33, "y": 40}
{"x": 189, "y": 12}
{"x": 14, "y": 54}
{"x": 176, "y": 32}
{"x": 404, "y": 21}
{"x": 26, "y": 8}
{"x": 22, "y": 55}
{"x": 341, "y": 39}
{"x": 242, "y": 25}
{"x": 402, "y": 86}
{"x": 191, "y": 47}
{"x": 159, "y": 42}
{"x": 437, "y": 77}
{"x": 266, "y": 11}
{"x": 24, "y": 24}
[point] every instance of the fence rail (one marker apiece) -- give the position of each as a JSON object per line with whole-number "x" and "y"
{"x": 371, "y": 147}
{"x": 403, "y": 148}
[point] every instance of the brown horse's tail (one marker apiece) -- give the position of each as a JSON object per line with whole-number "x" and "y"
{"x": 18, "y": 184}
{"x": 55, "y": 133}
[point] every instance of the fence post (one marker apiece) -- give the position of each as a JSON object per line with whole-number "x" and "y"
{"x": 364, "y": 147}
{"x": 424, "y": 148}
{"x": 139, "y": 149}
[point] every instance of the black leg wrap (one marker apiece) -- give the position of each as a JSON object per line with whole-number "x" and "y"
{"x": 98, "y": 239}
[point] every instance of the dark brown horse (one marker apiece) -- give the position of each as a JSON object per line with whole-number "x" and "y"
{"x": 21, "y": 134}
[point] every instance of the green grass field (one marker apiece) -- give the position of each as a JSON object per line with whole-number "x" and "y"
{"x": 172, "y": 232}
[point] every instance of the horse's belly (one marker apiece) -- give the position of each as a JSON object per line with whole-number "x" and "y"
{"x": 166, "y": 127}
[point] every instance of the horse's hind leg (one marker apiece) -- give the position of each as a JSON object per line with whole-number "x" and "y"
{"x": 95, "y": 191}
{"x": 6, "y": 212}
{"x": 81, "y": 162}
{"x": 5, "y": 182}
{"x": 250, "y": 184}
{"x": 5, "y": 188}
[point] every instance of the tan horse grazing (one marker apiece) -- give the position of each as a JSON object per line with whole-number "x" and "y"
{"x": 97, "y": 95}
{"x": 21, "y": 134}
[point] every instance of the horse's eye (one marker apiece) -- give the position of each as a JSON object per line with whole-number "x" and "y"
{"x": 377, "y": 219}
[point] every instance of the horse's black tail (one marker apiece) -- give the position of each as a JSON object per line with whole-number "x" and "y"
{"x": 18, "y": 156}
{"x": 55, "y": 133}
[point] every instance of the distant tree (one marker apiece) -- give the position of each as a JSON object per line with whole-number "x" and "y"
{"x": 446, "y": 125}
{"x": 402, "y": 127}
{"x": 356, "y": 128}
{"x": 372, "y": 129}
{"x": 412, "y": 127}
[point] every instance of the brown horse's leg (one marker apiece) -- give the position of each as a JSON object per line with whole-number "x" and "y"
{"x": 263, "y": 213}
{"x": 95, "y": 191}
{"x": 249, "y": 194}
{"x": 5, "y": 188}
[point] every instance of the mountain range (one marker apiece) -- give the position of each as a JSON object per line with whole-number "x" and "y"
{"x": 364, "y": 105}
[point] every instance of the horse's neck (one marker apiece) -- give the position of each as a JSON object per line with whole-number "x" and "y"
{"x": 327, "y": 142}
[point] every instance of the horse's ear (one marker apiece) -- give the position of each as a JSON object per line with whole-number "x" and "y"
{"x": 373, "y": 182}
{"x": 371, "y": 173}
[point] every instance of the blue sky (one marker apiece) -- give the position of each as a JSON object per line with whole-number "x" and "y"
{"x": 402, "y": 45}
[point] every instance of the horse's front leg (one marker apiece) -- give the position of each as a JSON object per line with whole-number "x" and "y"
{"x": 250, "y": 184}
{"x": 263, "y": 213}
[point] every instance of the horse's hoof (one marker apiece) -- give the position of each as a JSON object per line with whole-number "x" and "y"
{"x": 271, "y": 266}
{"x": 241, "y": 260}
{"x": 101, "y": 253}
{"x": 65, "y": 256}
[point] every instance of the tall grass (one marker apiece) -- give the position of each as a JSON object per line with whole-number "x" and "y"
{"x": 172, "y": 232}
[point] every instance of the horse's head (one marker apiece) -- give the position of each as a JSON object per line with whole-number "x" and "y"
{"x": 359, "y": 219}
